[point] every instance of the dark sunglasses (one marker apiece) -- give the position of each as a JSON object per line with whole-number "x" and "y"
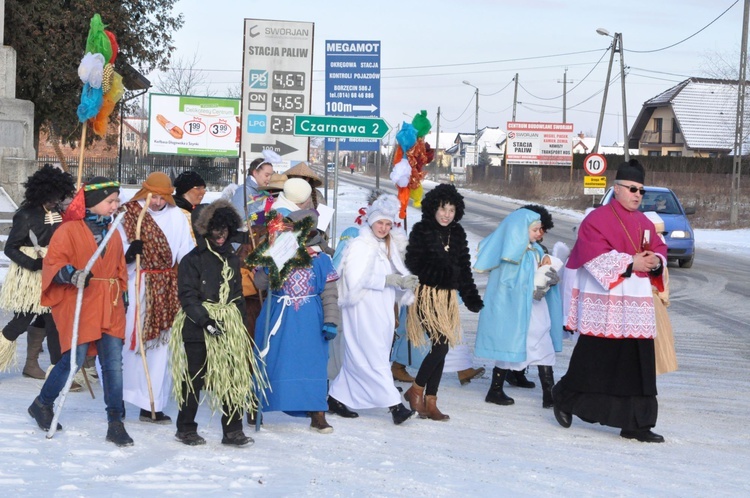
{"x": 633, "y": 189}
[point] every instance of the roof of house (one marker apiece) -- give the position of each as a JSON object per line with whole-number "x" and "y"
{"x": 705, "y": 110}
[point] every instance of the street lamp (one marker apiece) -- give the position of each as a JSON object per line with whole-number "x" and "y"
{"x": 476, "y": 122}
{"x": 615, "y": 47}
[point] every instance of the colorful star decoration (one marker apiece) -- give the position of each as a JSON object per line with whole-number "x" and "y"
{"x": 260, "y": 257}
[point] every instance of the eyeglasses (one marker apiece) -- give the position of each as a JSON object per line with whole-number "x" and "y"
{"x": 633, "y": 189}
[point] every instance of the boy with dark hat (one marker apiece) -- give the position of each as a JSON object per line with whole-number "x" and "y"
{"x": 101, "y": 322}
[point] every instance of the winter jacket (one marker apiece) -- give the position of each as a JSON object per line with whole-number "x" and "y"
{"x": 198, "y": 280}
{"x": 25, "y": 219}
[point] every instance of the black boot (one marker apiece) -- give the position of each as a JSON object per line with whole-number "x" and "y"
{"x": 161, "y": 418}
{"x": 117, "y": 434}
{"x": 340, "y": 409}
{"x": 43, "y": 415}
{"x": 547, "y": 379}
{"x": 400, "y": 413}
{"x": 563, "y": 418}
{"x": 517, "y": 378}
{"x": 496, "y": 394}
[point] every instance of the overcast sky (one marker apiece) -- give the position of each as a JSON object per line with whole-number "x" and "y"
{"x": 430, "y": 47}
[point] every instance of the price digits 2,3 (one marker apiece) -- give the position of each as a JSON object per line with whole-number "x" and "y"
{"x": 282, "y": 125}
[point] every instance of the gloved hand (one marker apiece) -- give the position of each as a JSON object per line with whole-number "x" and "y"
{"x": 78, "y": 279}
{"x": 410, "y": 282}
{"x": 554, "y": 277}
{"x": 126, "y": 300}
{"x": 394, "y": 280}
{"x": 212, "y": 328}
{"x": 37, "y": 264}
{"x": 329, "y": 331}
{"x": 475, "y": 305}
{"x": 135, "y": 249}
{"x": 539, "y": 293}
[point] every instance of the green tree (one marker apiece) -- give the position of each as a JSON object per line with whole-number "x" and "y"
{"x": 50, "y": 37}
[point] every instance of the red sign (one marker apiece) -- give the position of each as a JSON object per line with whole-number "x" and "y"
{"x": 595, "y": 164}
{"x": 539, "y": 144}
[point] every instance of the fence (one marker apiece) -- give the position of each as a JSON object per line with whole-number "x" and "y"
{"x": 217, "y": 172}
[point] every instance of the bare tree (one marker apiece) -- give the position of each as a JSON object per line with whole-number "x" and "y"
{"x": 721, "y": 65}
{"x": 234, "y": 91}
{"x": 184, "y": 78}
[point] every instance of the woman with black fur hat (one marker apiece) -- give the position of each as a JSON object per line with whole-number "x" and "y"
{"x": 209, "y": 340}
{"x": 438, "y": 254}
{"x": 40, "y": 214}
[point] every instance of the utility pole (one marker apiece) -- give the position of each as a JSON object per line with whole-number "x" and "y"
{"x": 437, "y": 141}
{"x": 515, "y": 96}
{"x": 565, "y": 94}
{"x": 626, "y": 138}
{"x": 606, "y": 90}
{"x": 739, "y": 137}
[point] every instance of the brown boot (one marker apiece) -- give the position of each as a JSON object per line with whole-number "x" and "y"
{"x": 415, "y": 396}
{"x": 399, "y": 373}
{"x": 465, "y": 376}
{"x": 432, "y": 410}
{"x": 318, "y": 423}
{"x": 34, "y": 338}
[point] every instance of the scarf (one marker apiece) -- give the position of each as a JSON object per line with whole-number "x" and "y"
{"x": 160, "y": 279}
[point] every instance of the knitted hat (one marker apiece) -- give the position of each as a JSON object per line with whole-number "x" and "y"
{"x": 157, "y": 183}
{"x": 385, "y": 207}
{"x": 99, "y": 188}
{"x": 187, "y": 180}
{"x": 302, "y": 170}
{"x": 631, "y": 171}
{"x": 297, "y": 190}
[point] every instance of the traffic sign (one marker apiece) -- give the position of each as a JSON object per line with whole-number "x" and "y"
{"x": 352, "y": 85}
{"x": 595, "y": 182}
{"x": 340, "y": 126}
{"x": 595, "y": 164}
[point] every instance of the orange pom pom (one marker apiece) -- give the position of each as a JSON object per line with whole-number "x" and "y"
{"x": 398, "y": 154}
{"x": 403, "y": 197}
{"x": 100, "y": 122}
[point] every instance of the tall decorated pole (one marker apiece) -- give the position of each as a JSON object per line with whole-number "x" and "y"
{"x": 102, "y": 86}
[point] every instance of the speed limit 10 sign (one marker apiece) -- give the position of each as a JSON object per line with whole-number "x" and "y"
{"x": 595, "y": 164}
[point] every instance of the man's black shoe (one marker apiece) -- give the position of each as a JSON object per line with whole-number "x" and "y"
{"x": 340, "y": 409}
{"x": 644, "y": 436}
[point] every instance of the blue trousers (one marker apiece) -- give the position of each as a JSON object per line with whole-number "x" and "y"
{"x": 109, "y": 349}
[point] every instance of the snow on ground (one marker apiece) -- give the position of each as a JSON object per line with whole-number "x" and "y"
{"x": 484, "y": 450}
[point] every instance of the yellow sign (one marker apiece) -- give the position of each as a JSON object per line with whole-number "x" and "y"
{"x": 594, "y": 182}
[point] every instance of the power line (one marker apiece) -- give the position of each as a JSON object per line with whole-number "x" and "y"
{"x": 684, "y": 39}
{"x": 575, "y": 86}
{"x": 462, "y": 113}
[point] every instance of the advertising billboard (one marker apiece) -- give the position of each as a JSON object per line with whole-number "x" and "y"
{"x": 540, "y": 144}
{"x": 193, "y": 126}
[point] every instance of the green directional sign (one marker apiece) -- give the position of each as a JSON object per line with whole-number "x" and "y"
{"x": 340, "y": 126}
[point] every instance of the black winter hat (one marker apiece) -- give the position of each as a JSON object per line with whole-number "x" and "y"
{"x": 631, "y": 171}
{"x": 99, "y": 188}
{"x": 187, "y": 180}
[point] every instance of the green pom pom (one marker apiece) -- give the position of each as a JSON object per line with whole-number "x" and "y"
{"x": 422, "y": 124}
{"x": 98, "y": 41}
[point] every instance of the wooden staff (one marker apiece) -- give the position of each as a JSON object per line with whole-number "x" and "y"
{"x": 80, "y": 156}
{"x": 247, "y": 219}
{"x": 138, "y": 325}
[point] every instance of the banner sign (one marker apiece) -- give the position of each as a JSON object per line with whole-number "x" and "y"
{"x": 352, "y": 86}
{"x": 540, "y": 144}
{"x": 193, "y": 126}
{"x": 276, "y": 85}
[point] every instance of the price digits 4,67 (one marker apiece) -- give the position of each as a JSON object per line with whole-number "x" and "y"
{"x": 288, "y": 80}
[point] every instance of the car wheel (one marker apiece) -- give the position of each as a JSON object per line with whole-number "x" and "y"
{"x": 686, "y": 263}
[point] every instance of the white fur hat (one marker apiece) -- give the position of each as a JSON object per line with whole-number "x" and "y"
{"x": 297, "y": 190}
{"x": 385, "y": 207}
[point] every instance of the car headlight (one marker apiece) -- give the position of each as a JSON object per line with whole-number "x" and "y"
{"x": 680, "y": 234}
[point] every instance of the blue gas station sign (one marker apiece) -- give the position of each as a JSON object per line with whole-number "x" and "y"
{"x": 352, "y": 86}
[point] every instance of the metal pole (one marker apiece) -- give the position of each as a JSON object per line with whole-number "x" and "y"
{"x": 626, "y": 145}
{"x": 739, "y": 128}
{"x": 476, "y": 131}
{"x": 334, "y": 236}
{"x": 515, "y": 96}
{"x": 377, "y": 165}
{"x": 119, "y": 153}
{"x": 604, "y": 98}
{"x": 565, "y": 94}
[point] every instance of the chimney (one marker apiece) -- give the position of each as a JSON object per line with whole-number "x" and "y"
{"x": 581, "y": 135}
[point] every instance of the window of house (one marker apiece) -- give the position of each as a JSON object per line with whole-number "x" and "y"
{"x": 658, "y": 123}
{"x": 654, "y": 153}
{"x": 675, "y": 130}
{"x": 675, "y": 153}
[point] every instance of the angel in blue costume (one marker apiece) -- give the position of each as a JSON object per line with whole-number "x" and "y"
{"x": 521, "y": 322}
{"x": 293, "y": 336}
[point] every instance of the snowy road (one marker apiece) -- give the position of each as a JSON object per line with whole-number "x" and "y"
{"x": 485, "y": 450}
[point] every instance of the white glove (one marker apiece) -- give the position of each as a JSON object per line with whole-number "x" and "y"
{"x": 410, "y": 282}
{"x": 394, "y": 280}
